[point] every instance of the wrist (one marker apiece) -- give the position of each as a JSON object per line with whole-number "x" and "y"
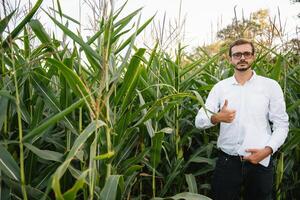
{"x": 269, "y": 150}
{"x": 215, "y": 118}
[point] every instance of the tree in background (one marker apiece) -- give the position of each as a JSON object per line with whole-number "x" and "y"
{"x": 260, "y": 27}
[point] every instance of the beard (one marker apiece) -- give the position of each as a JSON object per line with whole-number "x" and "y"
{"x": 242, "y": 69}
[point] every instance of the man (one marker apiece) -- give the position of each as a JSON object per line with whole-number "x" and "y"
{"x": 244, "y": 105}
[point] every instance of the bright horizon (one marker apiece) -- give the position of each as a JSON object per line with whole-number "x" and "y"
{"x": 206, "y": 17}
{"x": 202, "y": 18}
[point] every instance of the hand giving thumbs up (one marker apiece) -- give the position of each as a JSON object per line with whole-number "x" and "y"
{"x": 225, "y": 115}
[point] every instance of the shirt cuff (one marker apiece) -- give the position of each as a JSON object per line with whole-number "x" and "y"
{"x": 273, "y": 146}
{"x": 203, "y": 119}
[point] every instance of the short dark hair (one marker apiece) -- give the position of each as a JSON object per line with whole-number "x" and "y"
{"x": 240, "y": 42}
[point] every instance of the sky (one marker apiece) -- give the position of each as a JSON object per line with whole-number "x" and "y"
{"x": 202, "y": 17}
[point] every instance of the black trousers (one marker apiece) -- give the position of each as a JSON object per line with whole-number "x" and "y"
{"x": 232, "y": 174}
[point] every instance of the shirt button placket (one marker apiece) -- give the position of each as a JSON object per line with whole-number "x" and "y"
{"x": 240, "y": 114}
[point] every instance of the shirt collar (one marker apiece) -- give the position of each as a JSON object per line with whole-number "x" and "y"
{"x": 253, "y": 77}
{"x": 233, "y": 81}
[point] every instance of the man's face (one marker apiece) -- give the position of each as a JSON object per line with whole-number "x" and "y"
{"x": 242, "y": 57}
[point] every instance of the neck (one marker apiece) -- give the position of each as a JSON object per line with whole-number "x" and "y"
{"x": 243, "y": 76}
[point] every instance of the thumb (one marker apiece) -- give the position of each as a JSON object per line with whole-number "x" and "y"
{"x": 225, "y": 104}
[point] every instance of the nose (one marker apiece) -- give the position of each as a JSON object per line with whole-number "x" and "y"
{"x": 242, "y": 58}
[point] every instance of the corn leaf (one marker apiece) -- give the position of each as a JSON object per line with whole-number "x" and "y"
{"x": 36, "y": 132}
{"x": 78, "y": 144}
{"x": 8, "y": 165}
{"x": 33, "y": 193}
{"x": 45, "y": 154}
{"x": 50, "y": 100}
{"x": 185, "y": 196}
{"x": 276, "y": 71}
{"x": 3, "y": 108}
{"x": 19, "y": 28}
{"x": 39, "y": 31}
{"x": 189, "y": 196}
{"x": 66, "y": 16}
{"x": 109, "y": 192}
{"x": 59, "y": 8}
{"x": 71, "y": 193}
{"x": 4, "y": 21}
{"x": 88, "y": 50}
{"x": 148, "y": 123}
{"x": 131, "y": 78}
{"x": 156, "y": 149}
{"x": 192, "y": 184}
{"x": 73, "y": 80}
{"x": 152, "y": 111}
{"x": 124, "y": 44}
{"x": 203, "y": 160}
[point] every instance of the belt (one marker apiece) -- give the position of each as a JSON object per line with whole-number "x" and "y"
{"x": 235, "y": 157}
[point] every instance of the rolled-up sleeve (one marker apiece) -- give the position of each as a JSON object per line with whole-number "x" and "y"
{"x": 203, "y": 117}
{"x": 279, "y": 118}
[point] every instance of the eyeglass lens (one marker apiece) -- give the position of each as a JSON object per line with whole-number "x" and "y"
{"x": 238, "y": 55}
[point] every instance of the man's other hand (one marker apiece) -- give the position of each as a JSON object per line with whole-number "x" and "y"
{"x": 258, "y": 155}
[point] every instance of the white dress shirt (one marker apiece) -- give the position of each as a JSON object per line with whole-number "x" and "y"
{"x": 257, "y": 103}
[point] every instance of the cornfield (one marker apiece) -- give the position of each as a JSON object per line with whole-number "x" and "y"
{"x": 101, "y": 118}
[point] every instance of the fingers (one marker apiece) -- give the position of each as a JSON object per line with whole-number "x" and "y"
{"x": 224, "y": 107}
{"x": 246, "y": 157}
{"x": 251, "y": 159}
{"x": 232, "y": 111}
{"x": 254, "y": 157}
{"x": 252, "y": 150}
{"x": 230, "y": 116}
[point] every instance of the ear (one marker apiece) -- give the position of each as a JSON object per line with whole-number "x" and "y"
{"x": 253, "y": 58}
{"x": 230, "y": 60}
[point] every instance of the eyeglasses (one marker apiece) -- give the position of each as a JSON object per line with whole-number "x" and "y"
{"x": 246, "y": 54}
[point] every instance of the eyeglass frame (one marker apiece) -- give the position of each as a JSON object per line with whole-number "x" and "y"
{"x": 249, "y": 55}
